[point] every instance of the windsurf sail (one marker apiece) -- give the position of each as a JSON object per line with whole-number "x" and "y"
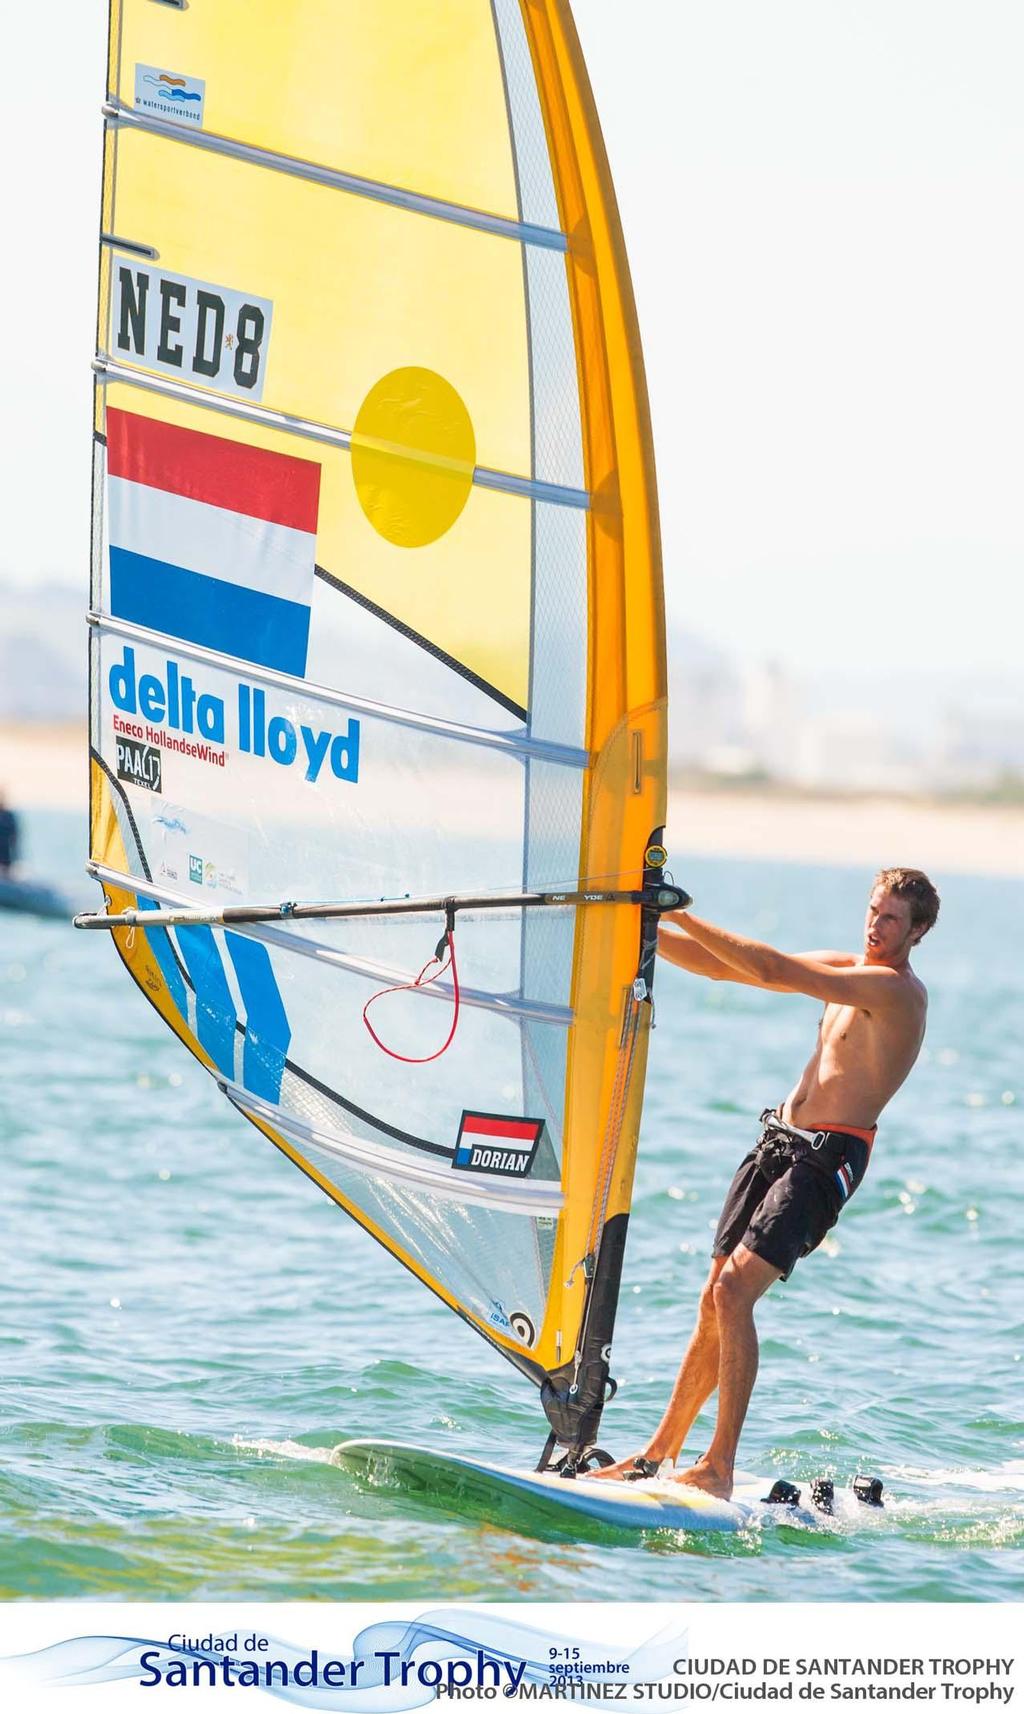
{"x": 377, "y": 622}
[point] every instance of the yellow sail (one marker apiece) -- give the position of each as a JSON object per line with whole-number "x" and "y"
{"x": 377, "y": 613}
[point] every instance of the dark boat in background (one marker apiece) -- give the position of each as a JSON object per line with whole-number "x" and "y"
{"x": 34, "y": 896}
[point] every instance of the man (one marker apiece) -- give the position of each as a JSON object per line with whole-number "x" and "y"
{"x": 812, "y": 1153}
{"x": 8, "y": 837}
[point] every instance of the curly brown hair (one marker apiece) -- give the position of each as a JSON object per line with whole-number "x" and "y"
{"x": 914, "y": 886}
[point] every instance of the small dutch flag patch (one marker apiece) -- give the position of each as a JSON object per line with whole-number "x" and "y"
{"x": 844, "y": 1178}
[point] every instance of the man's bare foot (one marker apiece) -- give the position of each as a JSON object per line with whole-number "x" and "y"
{"x": 625, "y": 1469}
{"x": 708, "y": 1478}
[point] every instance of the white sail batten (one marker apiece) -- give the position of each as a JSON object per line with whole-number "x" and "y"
{"x": 545, "y": 237}
{"x": 107, "y": 369}
{"x": 305, "y": 945}
{"x": 387, "y": 1163}
{"x": 511, "y": 744}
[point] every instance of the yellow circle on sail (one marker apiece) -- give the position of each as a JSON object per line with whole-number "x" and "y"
{"x": 413, "y": 456}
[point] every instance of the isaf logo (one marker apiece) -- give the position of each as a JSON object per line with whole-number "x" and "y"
{"x": 212, "y": 335}
{"x": 140, "y": 764}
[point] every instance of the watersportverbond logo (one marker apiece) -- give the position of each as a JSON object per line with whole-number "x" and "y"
{"x": 169, "y": 95}
{"x": 184, "y": 717}
{"x": 213, "y": 335}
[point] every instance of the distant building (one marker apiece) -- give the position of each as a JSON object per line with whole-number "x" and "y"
{"x": 975, "y": 748}
{"x": 43, "y": 674}
{"x": 705, "y": 702}
{"x": 772, "y": 719}
{"x": 853, "y": 750}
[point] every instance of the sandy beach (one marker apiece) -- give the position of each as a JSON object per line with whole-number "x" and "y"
{"x": 44, "y": 767}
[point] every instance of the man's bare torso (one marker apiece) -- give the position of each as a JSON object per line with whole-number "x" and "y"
{"x": 859, "y": 1061}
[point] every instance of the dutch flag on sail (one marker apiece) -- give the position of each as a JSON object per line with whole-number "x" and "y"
{"x": 210, "y": 540}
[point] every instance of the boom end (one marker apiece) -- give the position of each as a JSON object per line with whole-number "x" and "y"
{"x": 99, "y": 919}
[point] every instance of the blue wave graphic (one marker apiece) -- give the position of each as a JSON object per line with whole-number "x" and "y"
{"x": 167, "y": 93}
{"x": 401, "y": 1662}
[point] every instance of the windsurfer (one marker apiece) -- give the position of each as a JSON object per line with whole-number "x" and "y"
{"x": 812, "y": 1153}
{"x": 8, "y": 837}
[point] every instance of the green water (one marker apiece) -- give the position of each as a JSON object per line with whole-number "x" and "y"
{"x": 187, "y": 1327}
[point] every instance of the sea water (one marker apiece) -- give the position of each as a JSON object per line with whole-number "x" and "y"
{"x": 187, "y": 1327}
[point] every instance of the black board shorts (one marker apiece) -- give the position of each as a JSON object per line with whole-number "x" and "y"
{"x": 780, "y": 1205}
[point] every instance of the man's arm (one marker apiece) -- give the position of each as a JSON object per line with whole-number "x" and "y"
{"x": 799, "y": 973}
{"x": 677, "y": 947}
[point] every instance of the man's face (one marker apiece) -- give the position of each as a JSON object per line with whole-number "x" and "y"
{"x": 888, "y": 935}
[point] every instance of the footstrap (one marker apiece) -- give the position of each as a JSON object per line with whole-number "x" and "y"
{"x": 643, "y": 1470}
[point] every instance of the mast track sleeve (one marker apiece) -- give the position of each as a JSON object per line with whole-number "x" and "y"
{"x": 575, "y": 1394}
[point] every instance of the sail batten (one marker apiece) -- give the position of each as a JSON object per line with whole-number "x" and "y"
{"x": 561, "y": 755}
{"x": 303, "y": 946}
{"x": 510, "y": 1199}
{"x": 523, "y": 232}
{"x": 410, "y": 666}
{"x": 502, "y": 481}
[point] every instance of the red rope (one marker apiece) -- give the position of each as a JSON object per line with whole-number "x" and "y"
{"x": 422, "y": 981}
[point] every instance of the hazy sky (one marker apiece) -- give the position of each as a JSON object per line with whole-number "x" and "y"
{"x": 822, "y": 203}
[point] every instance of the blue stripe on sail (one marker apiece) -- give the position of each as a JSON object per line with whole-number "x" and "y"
{"x": 160, "y": 947}
{"x": 267, "y": 1032}
{"x": 215, "y": 1009}
{"x": 206, "y": 610}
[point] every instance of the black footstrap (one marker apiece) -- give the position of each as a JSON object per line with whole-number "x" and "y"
{"x": 643, "y": 1470}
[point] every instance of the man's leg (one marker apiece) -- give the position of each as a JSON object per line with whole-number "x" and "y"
{"x": 743, "y": 1279}
{"x": 695, "y": 1382}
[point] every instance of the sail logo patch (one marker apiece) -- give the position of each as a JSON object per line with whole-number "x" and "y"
{"x": 168, "y": 95}
{"x": 175, "y": 704}
{"x": 493, "y": 1143}
{"x": 140, "y": 764}
{"x": 207, "y": 853}
{"x": 212, "y": 336}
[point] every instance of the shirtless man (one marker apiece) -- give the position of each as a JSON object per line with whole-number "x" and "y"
{"x": 812, "y": 1153}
